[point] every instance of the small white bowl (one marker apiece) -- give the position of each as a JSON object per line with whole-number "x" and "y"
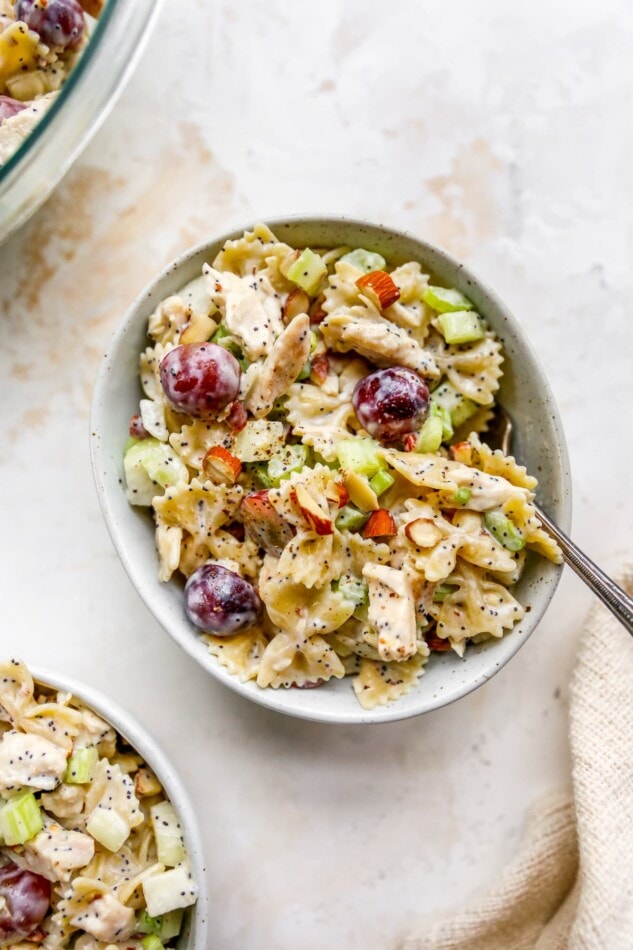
{"x": 539, "y": 443}
{"x": 194, "y": 934}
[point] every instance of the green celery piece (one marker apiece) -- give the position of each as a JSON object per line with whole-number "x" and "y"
{"x": 445, "y": 299}
{"x": 158, "y": 460}
{"x": 170, "y": 924}
{"x": 381, "y": 481}
{"x": 292, "y": 458}
{"x": 353, "y": 589}
{"x": 224, "y": 339}
{"x": 261, "y": 471}
{"x": 148, "y": 925}
{"x": 435, "y": 409}
{"x": 152, "y": 942}
{"x": 20, "y": 819}
{"x": 367, "y": 261}
{"x": 442, "y": 591}
{"x": 459, "y": 407}
{"x": 462, "y": 496}
{"x": 314, "y": 341}
{"x": 351, "y": 519}
{"x": 503, "y": 530}
{"x": 168, "y": 836}
{"x": 130, "y": 442}
{"x": 305, "y": 372}
{"x": 81, "y": 766}
{"x": 360, "y": 455}
{"x": 461, "y": 326}
{"x": 307, "y": 271}
{"x": 430, "y": 435}
{"x": 108, "y": 828}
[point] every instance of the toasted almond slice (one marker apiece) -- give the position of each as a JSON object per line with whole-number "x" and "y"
{"x": 316, "y": 518}
{"x": 438, "y": 645}
{"x": 380, "y": 525}
{"x": 297, "y": 302}
{"x": 360, "y": 492}
{"x": 337, "y": 493}
{"x": 380, "y": 287}
{"x": 220, "y": 465}
{"x": 198, "y": 330}
{"x": 319, "y": 369}
{"x": 317, "y": 313}
{"x": 462, "y": 452}
{"x": 423, "y": 533}
{"x": 146, "y": 783}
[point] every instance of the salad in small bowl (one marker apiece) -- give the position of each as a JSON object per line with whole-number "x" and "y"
{"x": 310, "y": 442}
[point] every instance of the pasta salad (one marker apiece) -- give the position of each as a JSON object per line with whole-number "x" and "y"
{"x": 309, "y": 442}
{"x": 91, "y": 851}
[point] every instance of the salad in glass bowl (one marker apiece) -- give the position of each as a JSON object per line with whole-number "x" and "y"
{"x": 310, "y": 442}
{"x": 92, "y": 852}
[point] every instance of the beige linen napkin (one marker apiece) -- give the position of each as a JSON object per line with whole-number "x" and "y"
{"x": 571, "y": 885}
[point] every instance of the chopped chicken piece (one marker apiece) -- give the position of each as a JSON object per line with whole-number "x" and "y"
{"x": 67, "y": 801}
{"x": 378, "y": 340}
{"x": 55, "y": 852}
{"x": 106, "y": 918}
{"x": 94, "y": 731}
{"x": 391, "y": 611}
{"x": 281, "y": 367}
{"x": 246, "y": 316}
{"x": 28, "y": 760}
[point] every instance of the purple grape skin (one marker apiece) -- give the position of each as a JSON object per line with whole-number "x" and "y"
{"x": 390, "y": 403}
{"x": 59, "y": 23}
{"x": 200, "y": 379}
{"x": 25, "y": 902}
{"x": 221, "y": 602}
{"x": 9, "y": 107}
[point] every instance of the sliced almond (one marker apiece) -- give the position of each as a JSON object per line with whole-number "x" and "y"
{"x": 198, "y": 330}
{"x": 317, "y": 313}
{"x": 316, "y": 518}
{"x": 360, "y": 492}
{"x": 380, "y": 525}
{"x": 337, "y": 493}
{"x": 423, "y": 533}
{"x": 146, "y": 783}
{"x": 297, "y": 302}
{"x": 220, "y": 465}
{"x": 380, "y": 287}
{"x": 462, "y": 452}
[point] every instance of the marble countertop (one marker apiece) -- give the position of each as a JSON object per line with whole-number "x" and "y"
{"x": 498, "y": 132}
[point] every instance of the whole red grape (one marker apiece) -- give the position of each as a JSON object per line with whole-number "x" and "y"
{"x": 200, "y": 379}
{"x": 59, "y": 23}
{"x": 24, "y": 902}
{"x": 219, "y": 601}
{"x": 391, "y": 403}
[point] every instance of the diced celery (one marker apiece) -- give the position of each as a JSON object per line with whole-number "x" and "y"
{"x": 305, "y": 372}
{"x": 367, "y": 261}
{"x": 307, "y": 271}
{"x": 130, "y": 442}
{"x": 149, "y": 464}
{"x": 152, "y": 942}
{"x": 108, "y": 828}
{"x": 442, "y": 591}
{"x": 460, "y": 407}
{"x": 445, "y": 299}
{"x": 168, "y": 891}
{"x": 461, "y": 326}
{"x": 435, "y": 409}
{"x": 381, "y": 481}
{"x": 351, "y": 519}
{"x": 170, "y": 846}
{"x": 503, "y": 530}
{"x": 148, "y": 925}
{"x": 260, "y": 469}
{"x": 462, "y": 496}
{"x": 223, "y": 338}
{"x": 430, "y": 435}
{"x": 314, "y": 341}
{"x": 170, "y": 924}
{"x": 292, "y": 458}
{"x": 81, "y": 766}
{"x": 20, "y": 819}
{"x": 360, "y": 455}
{"x": 352, "y": 588}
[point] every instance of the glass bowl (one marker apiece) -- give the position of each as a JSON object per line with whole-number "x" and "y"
{"x": 83, "y": 103}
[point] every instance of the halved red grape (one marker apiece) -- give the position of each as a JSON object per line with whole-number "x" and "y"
{"x": 58, "y": 23}
{"x": 219, "y": 601}
{"x": 9, "y": 107}
{"x": 200, "y": 379}
{"x": 391, "y": 402}
{"x": 24, "y": 902}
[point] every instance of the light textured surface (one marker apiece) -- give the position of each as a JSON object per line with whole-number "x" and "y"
{"x": 498, "y": 132}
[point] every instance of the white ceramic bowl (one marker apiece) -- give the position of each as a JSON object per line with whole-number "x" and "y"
{"x": 194, "y": 935}
{"x": 539, "y": 443}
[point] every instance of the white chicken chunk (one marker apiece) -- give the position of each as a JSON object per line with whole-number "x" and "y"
{"x": 67, "y": 801}
{"x": 253, "y": 320}
{"x": 391, "y": 611}
{"x": 106, "y": 918}
{"x": 31, "y": 761}
{"x": 378, "y": 340}
{"x": 281, "y": 367}
{"x": 56, "y": 852}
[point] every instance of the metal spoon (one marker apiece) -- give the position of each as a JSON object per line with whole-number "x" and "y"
{"x": 611, "y": 595}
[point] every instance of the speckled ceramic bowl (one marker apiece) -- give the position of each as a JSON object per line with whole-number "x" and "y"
{"x": 539, "y": 444}
{"x": 195, "y": 932}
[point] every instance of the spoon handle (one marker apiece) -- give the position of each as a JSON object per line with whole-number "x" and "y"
{"x": 611, "y": 595}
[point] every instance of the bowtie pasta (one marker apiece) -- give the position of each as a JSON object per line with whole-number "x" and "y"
{"x": 91, "y": 851}
{"x": 309, "y": 441}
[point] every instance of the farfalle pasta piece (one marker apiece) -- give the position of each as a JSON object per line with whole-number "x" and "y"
{"x": 288, "y": 662}
{"x": 149, "y": 363}
{"x": 256, "y": 251}
{"x": 475, "y": 371}
{"x": 165, "y": 324}
{"x": 168, "y": 545}
{"x": 314, "y": 560}
{"x": 523, "y": 514}
{"x": 410, "y": 311}
{"x": 315, "y": 480}
{"x": 478, "y": 605}
{"x": 241, "y": 654}
{"x": 321, "y": 419}
{"x": 201, "y": 508}
{"x": 379, "y": 683}
{"x": 193, "y": 441}
{"x": 292, "y": 607}
{"x": 494, "y": 462}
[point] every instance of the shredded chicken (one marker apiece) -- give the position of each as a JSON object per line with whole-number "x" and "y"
{"x": 281, "y": 367}
{"x": 378, "y": 340}
{"x": 29, "y": 760}
{"x": 56, "y": 852}
{"x": 106, "y": 918}
{"x": 67, "y": 801}
{"x": 254, "y": 322}
{"x": 391, "y": 611}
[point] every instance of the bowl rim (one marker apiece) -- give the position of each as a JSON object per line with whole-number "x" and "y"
{"x": 266, "y": 697}
{"x": 128, "y": 726}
